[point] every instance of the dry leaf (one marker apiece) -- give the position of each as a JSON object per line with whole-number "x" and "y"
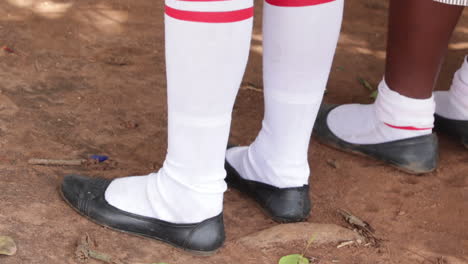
{"x": 7, "y": 246}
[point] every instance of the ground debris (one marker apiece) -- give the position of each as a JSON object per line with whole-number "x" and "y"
{"x": 8, "y": 49}
{"x": 85, "y": 251}
{"x": 130, "y": 124}
{"x": 344, "y": 244}
{"x": 117, "y": 60}
{"x": 365, "y": 83}
{"x": 333, "y": 163}
{"x": 7, "y": 246}
{"x": 57, "y": 162}
{"x": 362, "y": 227}
{"x": 94, "y": 164}
{"x": 97, "y": 162}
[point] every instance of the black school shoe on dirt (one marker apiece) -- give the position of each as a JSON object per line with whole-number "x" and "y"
{"x": 456, "y": 128}
{"x": 284, "y": 205}
{"x": 416, "y": 155}
{"x": 86, "y": 196}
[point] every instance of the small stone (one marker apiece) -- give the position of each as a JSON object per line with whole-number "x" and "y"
{"x": 333, "y": 163}
{"x": 288, "y": 234}
{"x": 401, "y": 213}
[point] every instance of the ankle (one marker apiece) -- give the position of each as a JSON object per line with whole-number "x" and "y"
{"x": 254, "y": 165}
{"x": 400, "y": 112}
{"x": 176, "y": 202}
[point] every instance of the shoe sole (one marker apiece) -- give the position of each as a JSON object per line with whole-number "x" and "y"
{"x": 177, "y": 247}
{"x": 358, "y": 153}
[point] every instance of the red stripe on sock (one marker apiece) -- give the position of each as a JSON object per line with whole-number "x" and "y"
{"x": 297, "y": 3}
{"x": 211, "y": 17}
{"x": 408, "y": 127}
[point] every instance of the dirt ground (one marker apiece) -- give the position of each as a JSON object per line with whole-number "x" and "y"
{"x": 87, "y": 77}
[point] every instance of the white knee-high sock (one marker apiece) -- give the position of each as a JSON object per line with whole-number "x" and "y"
{"x": 392, "y": 117}
{"x": 299, "y": 38}
{"x": 207, "y": 46}
{"x": 453, "y": 104}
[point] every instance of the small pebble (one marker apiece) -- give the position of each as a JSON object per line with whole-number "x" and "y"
{"x": 333, "y": 163}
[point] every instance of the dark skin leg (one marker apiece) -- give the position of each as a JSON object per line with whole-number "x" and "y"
{"x": 418, "y": 37}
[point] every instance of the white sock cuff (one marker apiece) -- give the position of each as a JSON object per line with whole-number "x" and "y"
{"x": 395, "y": 109}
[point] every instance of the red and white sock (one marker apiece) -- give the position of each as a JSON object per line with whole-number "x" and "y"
{"x": 392, "y": 117}
{"x": 299, "y": 39}
{"x": 207, "y": 46}
{"x": 453, "y": 104}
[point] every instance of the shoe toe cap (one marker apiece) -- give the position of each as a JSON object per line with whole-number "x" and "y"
{"x": 77, "y": 188}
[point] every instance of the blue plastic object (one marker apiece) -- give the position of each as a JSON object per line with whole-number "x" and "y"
{"x": 100, "y": 158}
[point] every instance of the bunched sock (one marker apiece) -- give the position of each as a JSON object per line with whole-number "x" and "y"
{"x": 453, "y": 104}
{"x": 299, "y": 38}
{"x": 392, "y": 117}
{"x": 207, "y": 46}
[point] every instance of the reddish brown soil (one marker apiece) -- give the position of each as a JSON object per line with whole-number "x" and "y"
{"x": 78, "y": 81}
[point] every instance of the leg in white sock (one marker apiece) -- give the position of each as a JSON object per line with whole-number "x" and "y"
{"x": 207, "y": 46}
{"x": 392, "y": 117}
{"x": 453, "y": 104}
{"x": 300, "y": 38}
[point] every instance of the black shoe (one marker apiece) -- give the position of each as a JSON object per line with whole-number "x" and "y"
{"x": 284, "y": 205}
{"x": 414, "y": 155}
{"x": 86, "y": 195}
{"x": 456, "y": 128}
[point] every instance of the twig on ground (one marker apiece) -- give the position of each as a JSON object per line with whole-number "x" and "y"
{"x": 344, "y": 244}
{"x": 84, "y": 252}
{"x": 57, "y": 162}
{"x": 362, "y": 227}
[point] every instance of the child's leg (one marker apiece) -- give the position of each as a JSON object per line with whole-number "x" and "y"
{"x": 300, "y": 38}
{"x": 419, "y": 32}
{"x": 207, "y": 45}
{"x": 418, "y": 36}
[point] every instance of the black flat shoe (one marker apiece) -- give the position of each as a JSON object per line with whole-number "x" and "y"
{"x": 284, "y": 205}
{"x": 456, "y": 128}
{"x": 414, "y": 155}
{"x": 86, "y": 195}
